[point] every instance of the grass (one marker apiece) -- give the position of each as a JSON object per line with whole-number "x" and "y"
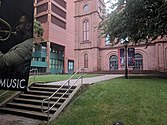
{"x": 134, "y": 101}
{"x": 5, "y": 96}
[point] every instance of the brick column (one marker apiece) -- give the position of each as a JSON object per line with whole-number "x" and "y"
{"x": 48, "y": 56}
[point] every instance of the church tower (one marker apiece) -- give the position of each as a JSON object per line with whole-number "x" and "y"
{"x": 87, "y": 40}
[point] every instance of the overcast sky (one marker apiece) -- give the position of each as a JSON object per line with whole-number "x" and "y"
{"x": 107, "y": 4}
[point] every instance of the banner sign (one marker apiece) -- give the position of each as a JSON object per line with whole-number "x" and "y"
{"x": 131, "y": 56}
{"x": 122, "y": 59}
{"x": 16, "y": 43}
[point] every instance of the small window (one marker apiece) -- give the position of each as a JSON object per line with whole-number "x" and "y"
{"x": 86, "y": 8}
{"x": 107, "y": 40}
{"x": 86, "y": 61}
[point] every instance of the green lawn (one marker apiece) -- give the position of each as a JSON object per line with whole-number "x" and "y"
{"x": 134, "y": 101}
{"x": 6, "y": 95}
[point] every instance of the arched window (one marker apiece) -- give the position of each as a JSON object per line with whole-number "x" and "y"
{"x": 86, "y": 8}
{"x": 86, "y": 30}
{"x": 107, "y": 40}
{"x": 138, "y": 62}
{"x": 113, "y": 62}
{"x": 86, "y": 61}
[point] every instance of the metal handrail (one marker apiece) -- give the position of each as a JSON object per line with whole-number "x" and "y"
{"x": 69, "y": 87}
{"x": 35, "y": 72}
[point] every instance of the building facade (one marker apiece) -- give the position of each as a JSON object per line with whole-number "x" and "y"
{"x": 94, "y": 53}
{"x": 55, "y": 53}
{"x": 87, "y": 39}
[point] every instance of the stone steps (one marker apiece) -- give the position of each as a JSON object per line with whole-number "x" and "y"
{"x": 25, "y": 113}
{"x": 29, "y": 107}
{"x": 28, "y": 104}
{"x": 38, "y": 97}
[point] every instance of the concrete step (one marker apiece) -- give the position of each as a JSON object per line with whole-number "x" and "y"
{"x": 25, "y": 113}
{"x": 28, "y": 104}
{"x": 50, "y": 86}
{"x": 35, "y": 102}
{"x": 29, "y": 107}
{"x": 40, "y": 97}
{"x": 48, "y": 89}
{"x": 48, "y": 93}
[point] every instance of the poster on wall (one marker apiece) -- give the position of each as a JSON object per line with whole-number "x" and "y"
{"x": 16, "y": 42}
{"x": 131, "y": 56}
{"x": 122, "y": 58}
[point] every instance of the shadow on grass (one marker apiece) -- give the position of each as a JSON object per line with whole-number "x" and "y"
{"x": 148, "y": 77}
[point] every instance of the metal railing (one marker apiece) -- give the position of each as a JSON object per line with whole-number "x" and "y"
{"x": 34, "y": 72}
{"x": 67, "y": 83}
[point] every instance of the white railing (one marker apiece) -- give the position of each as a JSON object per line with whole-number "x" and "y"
{"x": 67, "y": 83}
{"x": 35, "y": 72}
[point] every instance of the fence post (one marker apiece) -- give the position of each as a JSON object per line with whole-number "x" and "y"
{"x": 48, "y": 108}
{"x": 68, "y": 87}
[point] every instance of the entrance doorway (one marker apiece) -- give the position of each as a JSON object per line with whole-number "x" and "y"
{"x": 113, "y": 62}
{"x": 138, "y": 62}
{"x": 70, "y": 66}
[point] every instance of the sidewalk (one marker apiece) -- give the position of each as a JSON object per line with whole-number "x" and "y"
{"x": 90, "y": 80}
{"x": 8, "y": 119}
{"x": 104, "y": 77}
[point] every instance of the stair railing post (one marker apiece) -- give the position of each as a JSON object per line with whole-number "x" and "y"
{"x": 34, "y": 74}
{"x": 68, "y": 87}
{"x": 48, "y": 108}
{"x": 82, "y": 76}
{"x": 82, "y": 80}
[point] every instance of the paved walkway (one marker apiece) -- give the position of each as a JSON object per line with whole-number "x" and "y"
{"x": 7, "y": 119}
{"x": 90, "y": 80}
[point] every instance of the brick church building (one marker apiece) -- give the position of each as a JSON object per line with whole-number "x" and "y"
{"x": 96, "y": 54}
{"x": 72, "y": 41}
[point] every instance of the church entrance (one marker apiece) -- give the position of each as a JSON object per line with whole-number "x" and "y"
{"x": 138, "y": 62}
{"x": 113, "y": 62}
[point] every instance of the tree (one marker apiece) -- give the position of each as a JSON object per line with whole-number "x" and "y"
{"x": 38, "y": 30}
{"x": 139, "y": 20}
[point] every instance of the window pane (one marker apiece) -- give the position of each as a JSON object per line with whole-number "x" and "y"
{"x": 113, "y": 62}
{"x": 87, "y": 35}
{"x": 86, "y": 30}
{"x": 84, "y": 26}
{"x": 84, "y": 36}
{"x": 87, "y": 26}
{"x": 138, "y": 61}
{"x": 86, "y": 8}
{"x": 85, "y": 61}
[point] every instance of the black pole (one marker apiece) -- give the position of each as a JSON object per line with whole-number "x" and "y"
{"x": 126, "y": 68}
